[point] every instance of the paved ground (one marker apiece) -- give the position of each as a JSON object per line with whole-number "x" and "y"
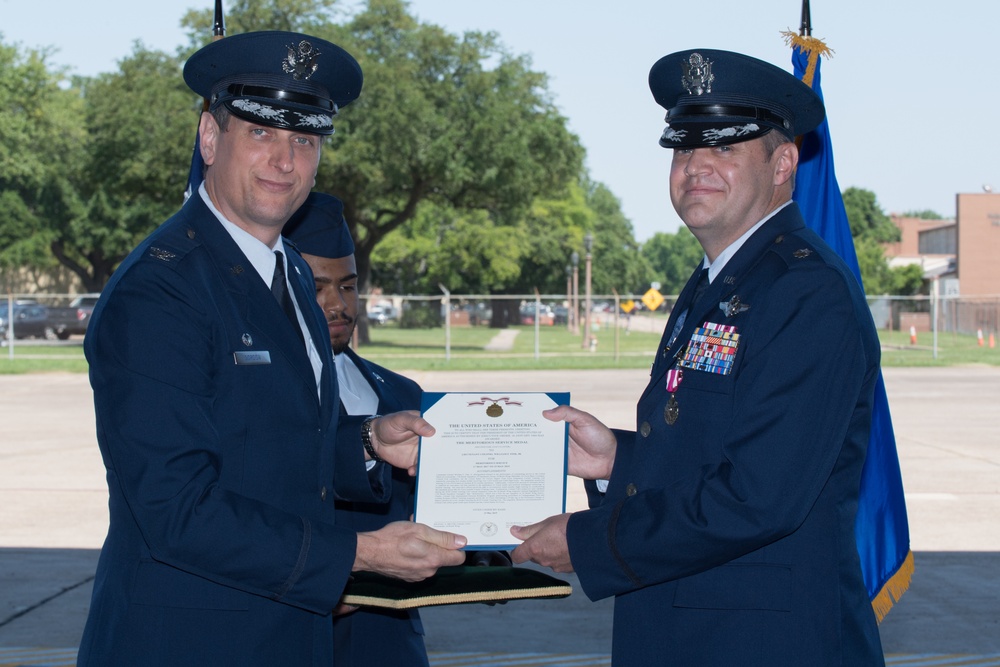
{"x": 54, "y": 517}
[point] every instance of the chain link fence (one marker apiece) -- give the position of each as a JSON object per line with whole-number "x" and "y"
{"x": 61, "y": 319}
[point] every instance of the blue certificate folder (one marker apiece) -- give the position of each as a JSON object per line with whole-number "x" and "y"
{"x": 510, "y": 464}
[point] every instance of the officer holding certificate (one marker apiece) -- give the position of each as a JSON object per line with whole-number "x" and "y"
{"x": 725, "y": 527}
{"x": 216, "y": 401}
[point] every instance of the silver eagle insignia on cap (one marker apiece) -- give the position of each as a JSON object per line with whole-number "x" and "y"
{"x": 301, "y": 60}
{"x": 698, "y": 77}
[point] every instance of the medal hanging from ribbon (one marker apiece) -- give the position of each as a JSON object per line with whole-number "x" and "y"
{"x": 673, "y": 410}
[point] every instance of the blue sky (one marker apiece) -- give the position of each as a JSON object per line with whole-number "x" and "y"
{"x": 912, "y": 90}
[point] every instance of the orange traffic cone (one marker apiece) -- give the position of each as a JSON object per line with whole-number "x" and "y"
{"x": 913, "y": 335}
{"x": 980, "y": 337}
{"x": 992, "y": 342}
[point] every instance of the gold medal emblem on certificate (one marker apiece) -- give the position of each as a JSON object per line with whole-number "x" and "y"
{"x": 494, "y": 410}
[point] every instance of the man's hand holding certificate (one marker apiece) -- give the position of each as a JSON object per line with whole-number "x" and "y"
{"x": 493, "y": 463}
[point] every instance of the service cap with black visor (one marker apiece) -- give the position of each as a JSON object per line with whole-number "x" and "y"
{"x": 279, "y": 79}
{"x": 716, "y": 98}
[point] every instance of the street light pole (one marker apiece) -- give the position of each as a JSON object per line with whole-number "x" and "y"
{"x": 588, "y": 243}
{"x": 569, "y": 298}
{"x": 575, "y": 259}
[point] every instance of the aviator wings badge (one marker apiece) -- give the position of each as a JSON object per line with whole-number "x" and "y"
{"x": 734, "y": 306}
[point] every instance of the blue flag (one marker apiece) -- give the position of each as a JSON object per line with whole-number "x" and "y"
{"x": 881, "y": 528}
{"x": 197, "y": 172}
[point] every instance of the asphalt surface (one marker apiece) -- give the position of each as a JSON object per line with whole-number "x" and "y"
{"x": 53, "y": 518}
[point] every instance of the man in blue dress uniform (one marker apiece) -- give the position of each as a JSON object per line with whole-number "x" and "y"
{"x": 216, "y": 403}
{"x": 724, "y": 524}
{"x": 366, "y": 636}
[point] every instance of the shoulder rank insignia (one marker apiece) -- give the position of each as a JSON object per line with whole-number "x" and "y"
{"x": 160, "y": 253}
{"x": 802, "y": 253}
{"x": 734, "y": 306}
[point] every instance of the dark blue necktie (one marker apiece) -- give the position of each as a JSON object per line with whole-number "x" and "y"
{"x": 279, "y": 288}
{"x": 700, "y": 288}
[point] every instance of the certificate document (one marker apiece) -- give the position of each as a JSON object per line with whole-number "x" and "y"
{"x": 494, "y": 462}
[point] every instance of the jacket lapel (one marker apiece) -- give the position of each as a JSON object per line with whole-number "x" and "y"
{"x": 256, "y": 303}
{"x": 723, "y": 288}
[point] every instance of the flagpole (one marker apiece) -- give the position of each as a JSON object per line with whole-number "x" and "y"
{"x": 805, "y": 28}
{"x": 218, "y": 32}
{"x": 196, "y": 171}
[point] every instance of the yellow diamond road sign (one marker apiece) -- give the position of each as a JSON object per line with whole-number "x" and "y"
{"x": 652, "y": 299}
{"x": 628, "y": 305}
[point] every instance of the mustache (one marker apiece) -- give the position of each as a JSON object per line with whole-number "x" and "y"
{"x": 339, "y": 317}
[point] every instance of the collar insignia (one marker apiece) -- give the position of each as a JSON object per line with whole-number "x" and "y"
{"x": 301, "y": 60}
{"x": 247, "y": 340}
{"x": 698, "y": 77}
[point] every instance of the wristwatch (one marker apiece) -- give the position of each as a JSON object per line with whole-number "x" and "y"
{"x": 366, "y": 437}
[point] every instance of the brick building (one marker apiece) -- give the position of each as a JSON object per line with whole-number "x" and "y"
{"x": 962, "y": 259}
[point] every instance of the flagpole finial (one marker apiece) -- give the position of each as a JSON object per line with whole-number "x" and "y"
{"x": 219, "y": 25}
{"x": 805, "y": 28}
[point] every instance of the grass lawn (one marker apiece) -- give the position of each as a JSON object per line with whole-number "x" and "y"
{"x": 557, "y": 349}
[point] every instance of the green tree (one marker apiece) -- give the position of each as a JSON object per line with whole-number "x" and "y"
{"x": 469, "y": 253}
{"x": 866, "y": 217}
{"x": 925, "y": 214}
{"x": 41, "y": 148}
{"x": 141, "y": 123}
{"x": 619, "y": 263}
{"x": 673, "y": 258}
{"x": 454, "y": 121}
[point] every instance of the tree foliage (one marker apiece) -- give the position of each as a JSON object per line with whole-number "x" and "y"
{"x": 871, "y": 227}
{"x": 925, "y": 214}
{"x": 455, "y": 152}
{"x": 141, "y": 123}
{"x": 866, "y": 217}
{"x": 41, "y": 147}
{"x": 456, "y": 122}
{"x": 673, "y": 258}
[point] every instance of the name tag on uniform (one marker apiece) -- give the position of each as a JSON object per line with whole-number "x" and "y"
{"x": 252, "y": 358}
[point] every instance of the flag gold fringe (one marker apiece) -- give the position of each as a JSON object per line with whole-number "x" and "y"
{"x": 811, "y": 46}
{"x": 894, "y": 588}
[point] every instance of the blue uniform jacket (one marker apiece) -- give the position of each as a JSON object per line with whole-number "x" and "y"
{"x": 220, "y": 456}
{"x": 728, "y": 537}
{"x": 372, "y": 636}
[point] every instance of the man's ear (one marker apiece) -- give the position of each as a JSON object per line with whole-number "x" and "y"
{"x": 208, "y": 135}
{"x": 786, "y": 159}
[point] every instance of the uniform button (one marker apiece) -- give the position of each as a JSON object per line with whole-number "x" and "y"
{"x": 630, "y": 490}
{"x": 322, "y": 493}
{"x": 645, "y": 429}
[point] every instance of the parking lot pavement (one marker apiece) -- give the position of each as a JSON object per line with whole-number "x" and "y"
{"x": 54, "y": 517}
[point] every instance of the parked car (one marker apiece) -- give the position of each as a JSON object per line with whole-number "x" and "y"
{"x": 82, "y": 307}
{"x": 545, "y": 315}
{"x": 35, "y": 320}
{"x": 382, "y": 314}
{"x": 29, "y": 319}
